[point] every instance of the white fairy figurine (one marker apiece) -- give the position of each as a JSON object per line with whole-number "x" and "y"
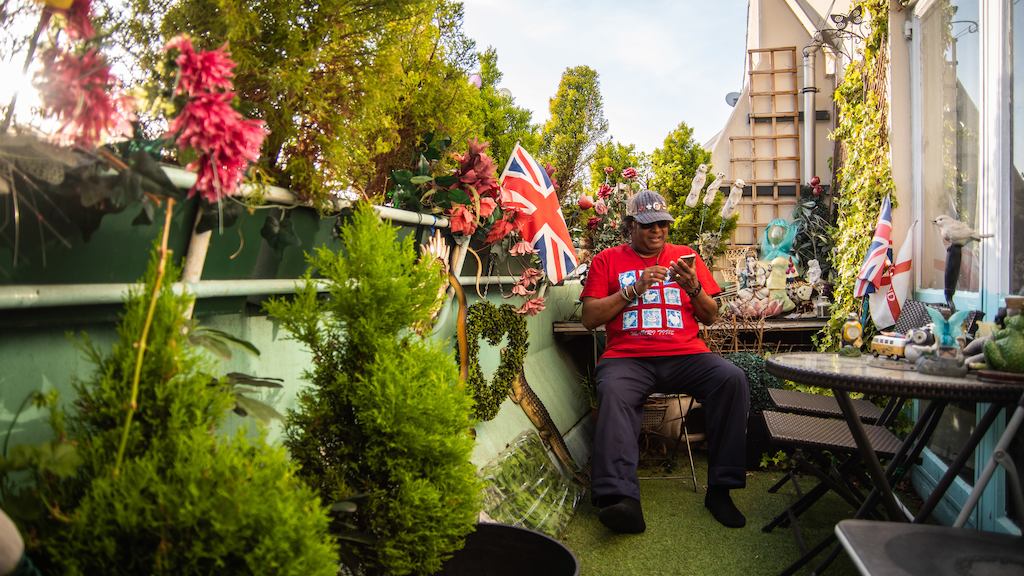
{"x": 697, "y": 185}
{"x": 735, "y": 194}
{"x": 712, "y": 192}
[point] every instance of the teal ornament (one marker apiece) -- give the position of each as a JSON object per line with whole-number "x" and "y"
{"x": 777, "y": 240}
{"x": 946, "y": 331}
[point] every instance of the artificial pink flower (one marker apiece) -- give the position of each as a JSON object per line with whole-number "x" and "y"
{"x": 201, "y": 72}
{"x": 551, "y": 175}
{"x": 629, "y": 173}
{"x": 594, "y": 222}
{"x": 225, "y": 140}
{"x": 531, "y": 307}
{"x": 522, "y": 247}
{"x": 608, "y": 169}
{"x": 487, "y": 206}
{"x": 476, "y": 171}
{"x": 500, "y": 229}
{"x": 521, "y": 290}
{"x": 604, "y": 191}
{"x": 530, "y": 276}
{"x": 586, "y": 202}
{"x": 80, "y": 91}
{"x": 462, "y": 220}
{"x": 600, "y": 207}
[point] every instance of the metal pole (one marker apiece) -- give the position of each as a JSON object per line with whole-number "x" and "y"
{"x": 807, "y": 160}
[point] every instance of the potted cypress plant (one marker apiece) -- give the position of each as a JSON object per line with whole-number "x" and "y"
{"x": 384, "y": 431}
{"x": 146, "y": 485}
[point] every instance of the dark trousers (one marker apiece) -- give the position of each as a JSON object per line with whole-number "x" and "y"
{"x": 623, "y": 385}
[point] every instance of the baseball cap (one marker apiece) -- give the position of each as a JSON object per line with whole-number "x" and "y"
{"x": 647, "y": 206}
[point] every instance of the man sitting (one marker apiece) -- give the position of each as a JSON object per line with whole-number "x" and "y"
{"x": 649, "y": 295}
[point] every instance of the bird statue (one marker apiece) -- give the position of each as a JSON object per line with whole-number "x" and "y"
{"x": 955, "y": 235}
{"x": 712, "y": 192}
{"x": 955, "y": 232}
{"x": 735, "y": 194}
{"x": 697, "y": 185}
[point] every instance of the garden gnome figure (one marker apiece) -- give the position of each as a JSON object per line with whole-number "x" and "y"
{"x": 697, "y": 185}
{"x": 955, "y": 235}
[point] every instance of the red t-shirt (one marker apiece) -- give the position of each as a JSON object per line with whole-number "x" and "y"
{"x": 662, "y": 322}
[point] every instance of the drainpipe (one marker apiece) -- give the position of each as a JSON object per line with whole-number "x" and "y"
{"x": 807, "y": 141}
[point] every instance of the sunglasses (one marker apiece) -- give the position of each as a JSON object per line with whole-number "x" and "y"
{"x": 659, "y": 224}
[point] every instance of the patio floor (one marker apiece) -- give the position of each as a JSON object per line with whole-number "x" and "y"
{"x": 683, "y": 539}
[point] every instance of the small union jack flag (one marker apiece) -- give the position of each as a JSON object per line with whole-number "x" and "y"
{"x": 544, "y": 228}
{"x": 879, "y": 254}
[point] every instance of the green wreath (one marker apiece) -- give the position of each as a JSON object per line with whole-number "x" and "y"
{"x": 485, "y": 320}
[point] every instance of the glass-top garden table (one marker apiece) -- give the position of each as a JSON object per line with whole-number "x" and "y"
{"x": 874, "y": 376}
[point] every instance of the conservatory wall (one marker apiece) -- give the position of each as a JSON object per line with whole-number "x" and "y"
{"x": 965, "y": 111}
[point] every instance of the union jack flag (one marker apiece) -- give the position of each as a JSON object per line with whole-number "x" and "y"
{"x": 869, "y": 278}
{"x": 528, "y": 184}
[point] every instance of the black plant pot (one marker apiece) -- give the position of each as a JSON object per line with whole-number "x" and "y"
{"x": 502, "y": 550}
{"x": 758, "y": 441}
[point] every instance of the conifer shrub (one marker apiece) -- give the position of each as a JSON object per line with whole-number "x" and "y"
{"x": 182, "y": 499}
{"x": 387, "y": 421}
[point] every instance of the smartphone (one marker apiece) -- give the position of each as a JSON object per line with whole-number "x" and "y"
{"x": 688, "y": 259}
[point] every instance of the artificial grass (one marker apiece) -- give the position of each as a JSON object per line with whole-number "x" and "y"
{"x": 683, "y": 539}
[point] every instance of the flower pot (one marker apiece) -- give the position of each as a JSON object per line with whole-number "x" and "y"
{"x": 503, "y": 550}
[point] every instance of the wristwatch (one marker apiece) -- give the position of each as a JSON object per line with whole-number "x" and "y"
{"x": 693, "y": 294}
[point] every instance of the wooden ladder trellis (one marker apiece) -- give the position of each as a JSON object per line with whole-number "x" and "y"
{"x": 768, "y": 158}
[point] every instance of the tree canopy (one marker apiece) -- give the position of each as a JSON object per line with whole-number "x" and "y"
{"x": 576, "y": 125}
{"x": 502, "y": 122}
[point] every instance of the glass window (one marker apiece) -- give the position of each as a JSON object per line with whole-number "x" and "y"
{"x": 950, "y": 72}
{"x": 1017, "y": 147}
{"x": 1017, "y": 198}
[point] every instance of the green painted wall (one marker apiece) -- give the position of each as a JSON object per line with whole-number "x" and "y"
{"x": 38, "y": 354}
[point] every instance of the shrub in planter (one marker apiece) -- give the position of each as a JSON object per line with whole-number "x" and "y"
{"x": 760, "y": 381}
{"x": 163, "y": 493}
{"x": 386, "y": 422}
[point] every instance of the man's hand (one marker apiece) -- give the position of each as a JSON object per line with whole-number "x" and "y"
{"x": 684, "y": 273}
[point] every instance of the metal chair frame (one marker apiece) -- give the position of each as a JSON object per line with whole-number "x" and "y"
{"x": 655, "y": 412}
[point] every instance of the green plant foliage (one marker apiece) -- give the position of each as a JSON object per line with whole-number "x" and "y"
{"x": 616, "y": 155}
{"x": 674, "y": 165}
{"x": 386, "y": 418}
{"x": 758, "y": 378}
{"x": 576, "y": 125}
{"x": 865, "y": 176}
{"x": 493, "y": 322}
{"x": 815, "y": 223}
{"x": 184, "y": 500}
{"x": 346, "y": 86}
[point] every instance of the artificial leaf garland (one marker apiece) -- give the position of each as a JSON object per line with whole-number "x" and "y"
{"x": 492, "y": 322}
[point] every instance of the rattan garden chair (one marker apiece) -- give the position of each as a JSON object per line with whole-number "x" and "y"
{"x": 664, "y": 422}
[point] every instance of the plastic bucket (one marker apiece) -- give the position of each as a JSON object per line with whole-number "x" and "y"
{"x": 502, "y": 550}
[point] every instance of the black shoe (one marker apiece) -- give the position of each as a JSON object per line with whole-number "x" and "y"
{"x": 718, "y": 501}
{"x": 624, "y": 516}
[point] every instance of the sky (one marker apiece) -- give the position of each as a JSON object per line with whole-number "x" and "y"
{"x": 659, "y": 62}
